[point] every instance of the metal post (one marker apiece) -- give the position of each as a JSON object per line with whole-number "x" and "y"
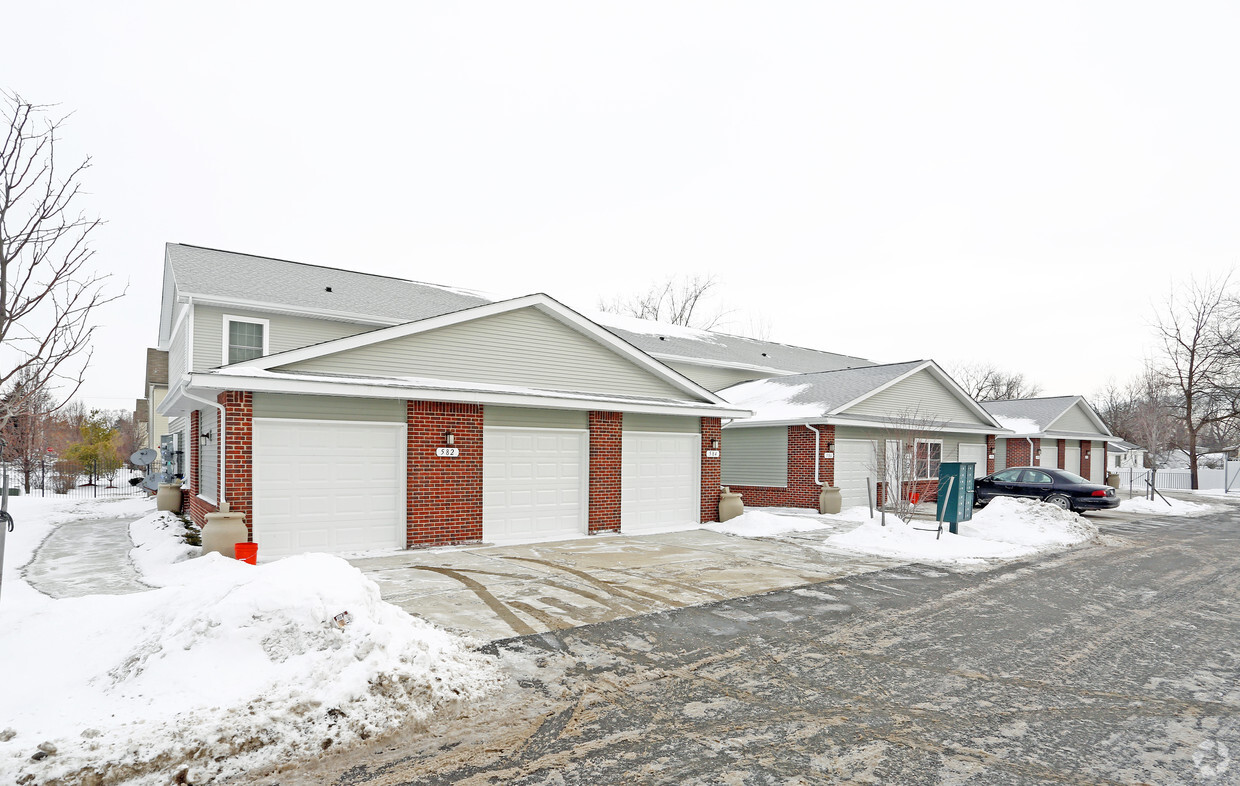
{"x": 6, "y": 521}
{"x": 869, "y": 496}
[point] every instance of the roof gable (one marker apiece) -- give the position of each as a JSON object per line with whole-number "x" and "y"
{"x": 921, "y": 395}
{"x": 531, "y": 342}
{"x": 1080, "y": 417}
{"x": 1053, "y": 413}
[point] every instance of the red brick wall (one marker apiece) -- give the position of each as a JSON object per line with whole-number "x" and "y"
{"x": 1018, "y": 452}
{"x": 238, "y": 475}
{"x": 801, "y": 491}
{"x": 711, "y": 469}
{"x": 990, "y": 454}
{"x": 1061, "y": 456}
{"x": 190, "y": 487}
{"x": 444, "y": 495}
{"x": 606, "y": 440}
{"x": 1087, "y": 451}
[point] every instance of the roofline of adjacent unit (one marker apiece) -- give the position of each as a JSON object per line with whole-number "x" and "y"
{"x": 827, "y": 420}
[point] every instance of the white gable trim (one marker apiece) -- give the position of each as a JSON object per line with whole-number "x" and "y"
{"x": 940, "y": 375}
{"x": 1089, "y": 411}
{"x": 826, "y": 420}
{"x": 207, "y": 385}
{"x": 543, "y": 303}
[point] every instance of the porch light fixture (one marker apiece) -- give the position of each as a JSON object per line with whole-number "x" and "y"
{"x": 449, "y": 438}
{"x": 1087, "y": 454}
{"x": 714, "y": 444}
{"x": 830, "y": 447}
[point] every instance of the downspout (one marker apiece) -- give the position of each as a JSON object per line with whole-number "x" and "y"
{"x": 219, "y": 430}
{"x": 1033, "y": 462}
{"x": 817, "y": 451}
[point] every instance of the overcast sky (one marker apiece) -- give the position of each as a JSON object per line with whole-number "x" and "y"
{"x": 991, "y": 182}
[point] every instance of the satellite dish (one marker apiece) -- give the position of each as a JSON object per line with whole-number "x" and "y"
{"x": 144, "y": 457}
{"x": 154, "y": 479}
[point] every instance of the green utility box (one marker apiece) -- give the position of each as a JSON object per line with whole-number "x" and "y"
{"x": 955, "y": 492}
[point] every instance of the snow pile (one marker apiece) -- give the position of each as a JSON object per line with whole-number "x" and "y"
{"x": 1158, "y": 507}
{"x": 759, "y": 524}
{"x": 159, "y": 544}
{"x": 1007, "y": 528}
{"x": 229, "y": 667}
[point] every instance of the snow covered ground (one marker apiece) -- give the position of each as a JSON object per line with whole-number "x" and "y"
{"x": 1005, "y": 529}
{"x": 220, "y": 668}
{"x": 1171, "y": 506}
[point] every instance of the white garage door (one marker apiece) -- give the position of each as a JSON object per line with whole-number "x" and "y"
{"x": 1072, "y": 460}
{"x": 1097, "y": 459}
{"x": 854, "y": 467}
{"x": 660, "y": 481}
{"x": 977, "y": 454}
{"x": 328, "y": 486}
{"x": 1050, "y": 454}
{"x": 534, "y": 484}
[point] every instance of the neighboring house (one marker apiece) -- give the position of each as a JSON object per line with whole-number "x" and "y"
{"x": 356, "y": 412}
{"x": 151, "y": 424}
{"x": 850, "y": 428}
{"x": 1122, "y": 454}
{"x": 1061, "y": 432}
{"x": 718, "y": 360}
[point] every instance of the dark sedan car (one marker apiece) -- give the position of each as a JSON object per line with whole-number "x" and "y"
{"x": 1059, "y": 488}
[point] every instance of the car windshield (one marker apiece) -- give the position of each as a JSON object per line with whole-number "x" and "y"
{"x": 1068, "y": 476}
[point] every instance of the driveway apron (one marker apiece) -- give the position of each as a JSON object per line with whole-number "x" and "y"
{"x": 87, "y": 557}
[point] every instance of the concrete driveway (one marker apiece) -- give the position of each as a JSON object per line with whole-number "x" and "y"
{"x": 496, "y": 592}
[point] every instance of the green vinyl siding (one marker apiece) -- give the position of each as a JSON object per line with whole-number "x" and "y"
{"x": 669, "y": 424}
{"x": 1075, "y": 419}
{"x": 283, "y": 405}
{"x": 524, "y": 348}
{"x": 755, "y": 456}
{"x": 1000, "y": 454}
{"x": 523, "y": 417}
{"x": 285, "y": 332}
{"x": 921, "y": 396}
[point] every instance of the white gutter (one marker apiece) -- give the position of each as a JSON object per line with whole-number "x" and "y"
{"x": 222, "y": 504}
{"x": 817, "y": 451}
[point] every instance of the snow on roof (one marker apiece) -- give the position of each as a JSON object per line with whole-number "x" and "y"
{"x": 811, "y": 395}
{"x": 1038, "y": 412}
{"x": 709, "y": 347}
{"x": 1019, "y": 425}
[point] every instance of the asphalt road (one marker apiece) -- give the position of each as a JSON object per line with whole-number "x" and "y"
{"x": 1115, "y": 663}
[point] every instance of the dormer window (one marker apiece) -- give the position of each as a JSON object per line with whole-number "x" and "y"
{"x": 244, "y": 338}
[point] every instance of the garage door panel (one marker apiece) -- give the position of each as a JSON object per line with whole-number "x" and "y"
{"x": 533, "y": 484}
{"x": 855, "y": 461}
{"x": 328, "y": 486}
{"x": 660, "y": 477}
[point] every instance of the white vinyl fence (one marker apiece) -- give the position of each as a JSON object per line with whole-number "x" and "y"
{"x": 1181, "y": 479}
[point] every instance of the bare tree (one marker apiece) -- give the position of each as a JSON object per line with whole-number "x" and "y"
{"x": 906, "y": 461}
{"x": 26, "y": 433}
{"x": 675, "y": 300}
{"x": 1142, "y": 412}
{"x": 1199, "y": 362}
{"x": 47, "y": 289}
{"x": 985, "y": 382}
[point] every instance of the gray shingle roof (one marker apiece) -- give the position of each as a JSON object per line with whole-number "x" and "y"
{"x": 227, "y": 274}
{"x": 811, "y": 395}
{"x": 1040, "y": 411}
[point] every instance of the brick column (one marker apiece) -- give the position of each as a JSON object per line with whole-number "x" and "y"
{"x": 1018, "y": 452}
{"x": 606, "y": 440}
{"x": 1087, "y": 454}
{"x": 238, "y": 463}
{"x": 1062, "y": 457}
{"x": 990, "y": 454}
{"x": 443, "y": 495}
{"x": 711, "y": 469}
{"x": 189, "y": 488}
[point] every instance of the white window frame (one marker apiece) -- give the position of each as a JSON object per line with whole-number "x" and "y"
{"x": 229, "y": 319}
{"x": 916, "y": 452}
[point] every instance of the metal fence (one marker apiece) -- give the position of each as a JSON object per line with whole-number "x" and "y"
{"x": 76, "y": 480}
{"x": 1180, "y": 479}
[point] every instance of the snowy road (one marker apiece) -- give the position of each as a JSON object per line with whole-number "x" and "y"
{"x": 1115, "y": 663}
{"x": 86, "y": 557}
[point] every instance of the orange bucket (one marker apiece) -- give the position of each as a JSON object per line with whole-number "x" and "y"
{"x": 914, "y": 498}
{"x": 246, "y": 552}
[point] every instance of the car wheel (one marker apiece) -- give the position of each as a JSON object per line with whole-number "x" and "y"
{"x": 1059, "y": 501}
